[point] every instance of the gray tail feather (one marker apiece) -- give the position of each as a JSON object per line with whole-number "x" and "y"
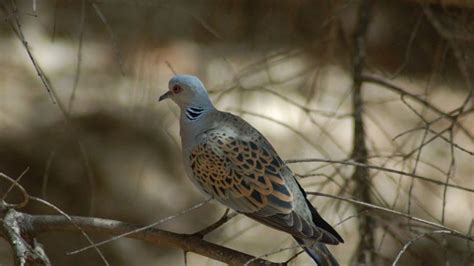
{"x": 319, "y": 253}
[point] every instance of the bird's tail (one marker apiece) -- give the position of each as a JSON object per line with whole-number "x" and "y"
{"x": 319, "y": 253}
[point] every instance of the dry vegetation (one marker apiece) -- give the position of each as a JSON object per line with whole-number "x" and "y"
{"x": 370, "y": 102}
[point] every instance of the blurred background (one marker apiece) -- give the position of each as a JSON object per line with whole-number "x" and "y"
{"x": 99, "y": 143}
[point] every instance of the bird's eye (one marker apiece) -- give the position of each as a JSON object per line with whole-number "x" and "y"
{"x": 177, "y": 89}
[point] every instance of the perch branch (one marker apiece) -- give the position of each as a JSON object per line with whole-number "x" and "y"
{"x": 40, "y": 224}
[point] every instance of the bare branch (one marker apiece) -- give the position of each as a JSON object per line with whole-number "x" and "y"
{"x": 200, "y": 204}
{"x": 249, "y": 262}
{"x": 361, "y": 177}
{"x": 427, "y": 179}
{"x": 26, "y": 249}
{"x": 65, "y": 215}
{"x": 224, "y": 219}
{"x": 404, "y": 93}
{"x": 40, "y": 224}
{"x": 113, "y": 39}
{"x": 26, "y": 196}
{"x": 453, "y": 3}
{"x": 405, "y": 247}
{"x": 15, "y": 25}
{"x": 372, "y": 206}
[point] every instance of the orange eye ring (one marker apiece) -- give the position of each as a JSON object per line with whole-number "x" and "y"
{"x": 177, "y": 89}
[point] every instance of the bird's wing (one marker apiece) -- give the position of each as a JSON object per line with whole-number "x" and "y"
{"x": 242, "y": 174}
{"x": 246, "y": 174}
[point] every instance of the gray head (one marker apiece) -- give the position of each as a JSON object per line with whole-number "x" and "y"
{"x": 187, "y": 92}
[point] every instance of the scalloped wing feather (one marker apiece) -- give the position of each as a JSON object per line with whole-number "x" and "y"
{"x": 241, "y": 174}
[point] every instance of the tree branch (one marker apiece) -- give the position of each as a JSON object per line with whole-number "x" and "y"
{"x": 401, "y": 214}
{"x": 26, "y": 249}
{"x": 39, "y": 224}
{"x": 369, "y": 166}
{"x": 454, "y": 3}
{"x": 420, "y": 100}
{"x": 365, "y": 250}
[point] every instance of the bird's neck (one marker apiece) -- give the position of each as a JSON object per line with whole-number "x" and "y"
{"x": 193, "y": 121}
{"x": 193, "y": 113}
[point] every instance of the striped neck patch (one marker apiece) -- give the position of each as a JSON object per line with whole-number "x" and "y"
{"x": 193, "y": 113}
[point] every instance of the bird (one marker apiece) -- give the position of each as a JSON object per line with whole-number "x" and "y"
{"x": 231, "y": 161}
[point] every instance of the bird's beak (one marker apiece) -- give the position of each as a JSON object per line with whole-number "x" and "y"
{"x": 164, "y": 96}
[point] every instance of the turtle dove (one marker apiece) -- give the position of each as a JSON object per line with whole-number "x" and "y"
{"x": 231, "y": 161}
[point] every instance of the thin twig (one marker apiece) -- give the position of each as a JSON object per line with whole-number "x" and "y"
{"x": 74, "y": 224}
{"x": 17, "y": 181}
{"x": 200, "y": 204}
{"x": 427, "y": 179}
{"x": 224, "y": 219}
{"x": 455, "y": 232}
{"x": 16, "y": 27}
{"x": 44, "y": 185}
{"x": 54, "y": 223}
{"x": 399, "y": 90}
{"x": 112, "y": 36}
{"x": 271, "y": 253}
{"x": 79, "y": 57}
{"x": 405, "y": 247}
{"x": 26, "y": 196}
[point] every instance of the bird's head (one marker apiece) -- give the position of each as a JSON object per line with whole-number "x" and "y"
{"x": 187, "y": 91}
